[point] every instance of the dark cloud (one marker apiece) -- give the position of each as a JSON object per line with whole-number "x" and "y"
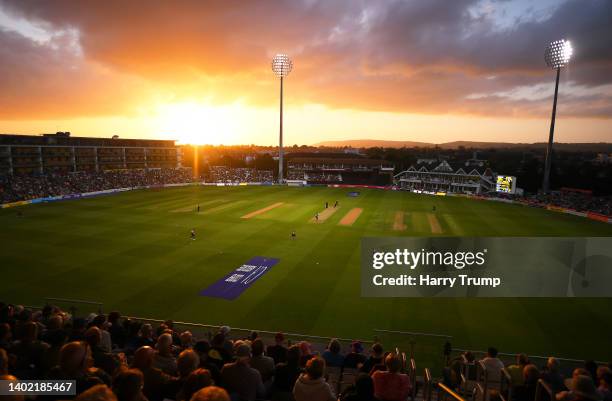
{"x": 409, "y": 56}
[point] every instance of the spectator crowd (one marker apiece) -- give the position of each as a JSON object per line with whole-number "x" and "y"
{"x": 115, "y": 358}
{"x": 568, "y": 200}
{"x": 25, "y": 187}
{"x": 236, "y": 175}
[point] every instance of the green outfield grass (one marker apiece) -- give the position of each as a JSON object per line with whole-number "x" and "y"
{"x": 132, "y": 252}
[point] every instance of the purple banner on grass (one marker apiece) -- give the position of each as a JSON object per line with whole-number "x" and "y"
{"x": 231, "y": 286}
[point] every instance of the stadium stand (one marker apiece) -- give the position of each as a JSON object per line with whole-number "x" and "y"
{"x": 334, "y": 168}
{"x": 237, "y": 175}
{"x": 139, "y": 362}
{"x": 24, "y": 187}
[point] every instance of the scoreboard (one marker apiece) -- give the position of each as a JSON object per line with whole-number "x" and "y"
{"x": 505, "y": 184}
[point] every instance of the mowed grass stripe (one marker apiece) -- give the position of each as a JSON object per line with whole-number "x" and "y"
{"x": 434, "y": 224}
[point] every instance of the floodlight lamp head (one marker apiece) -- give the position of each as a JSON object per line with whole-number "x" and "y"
{"x": 281, "y": 65}
{"x": 558, "y": 53}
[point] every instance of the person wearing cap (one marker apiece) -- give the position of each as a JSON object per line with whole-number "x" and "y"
{"x": 355, "y": 359}
{"x": 278, "y": 351}
{"x": 239, "y": 379}
{"x": 311, "y": 386}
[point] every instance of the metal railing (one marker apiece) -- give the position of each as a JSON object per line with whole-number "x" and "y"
{"x": 445, "y": 393}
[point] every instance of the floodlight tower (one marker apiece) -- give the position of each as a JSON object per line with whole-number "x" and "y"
{"x": 557, "y": 55}
{"x": 281, "y": 66}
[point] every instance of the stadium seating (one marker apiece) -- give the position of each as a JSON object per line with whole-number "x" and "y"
{"x": 40, "y": 344}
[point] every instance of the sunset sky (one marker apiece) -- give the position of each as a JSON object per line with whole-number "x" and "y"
{"x": 199, "y": 71}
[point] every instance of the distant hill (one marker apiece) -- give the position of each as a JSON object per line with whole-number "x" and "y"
{"x": 372, "y": 143}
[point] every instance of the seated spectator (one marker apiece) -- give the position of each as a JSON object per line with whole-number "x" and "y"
{"x": 527, "y": 391}
{"x": 391, "y": 385}
{"x": 278, "y": 351}
{"x": 101, "y": 358}
{"x": 202, "y": 347}
{"x": 74, "y": 364}
{"x": 186, "y": 340}
{"x": 100, "y": 322}
{"x": 16, "y": 397}
{"x": 211, "y": 393}
{"x": 6, "y": 336}
{"x": 145, "y": 336}
{"x": 99, "y": 392}
{"x": 604, "y": 377}
{"x": 332, "y": 356}
{"x": 355, "y": 359}
{"x": 288, "y": 372}
{"x": 239, "y": 379}
{"x": 128, "y": 385}
{"x": 116, "y": 330}
{"x": 362, "y": 390}
{"x": 583, "y": 389}
{"x": 4, "y": 362}
{"x": 306, "y": 352}
{"x": 218, "y": 352}
{"x": 376, "y": 358}
{"x": 196, "y": 380}
{"x": 187, "y": 362}
{"x": 264, "y": 364}
{"x": 552, "y": 376}
{"x": 516, "y": 370}
{"x": 311, "y": 386}
{"x": 164, "y": 359}
{"x": 493, "y": 365}
{"x": 29, "y": 353}
{"x": 568, "y": 395}
{"x": 154, "y": 379}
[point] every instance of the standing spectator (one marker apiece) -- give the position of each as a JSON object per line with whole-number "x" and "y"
{"x": 311, "y": 386}
{"x": 493, "y": 365}
{"x": 332, "y": 355}
{"x": 278, "y": 351}
{"x": 239, "y": 379}
{"x": 516, "y": 370}
{"x": 164, "y": 359}
{"x": 391, "y": 385}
